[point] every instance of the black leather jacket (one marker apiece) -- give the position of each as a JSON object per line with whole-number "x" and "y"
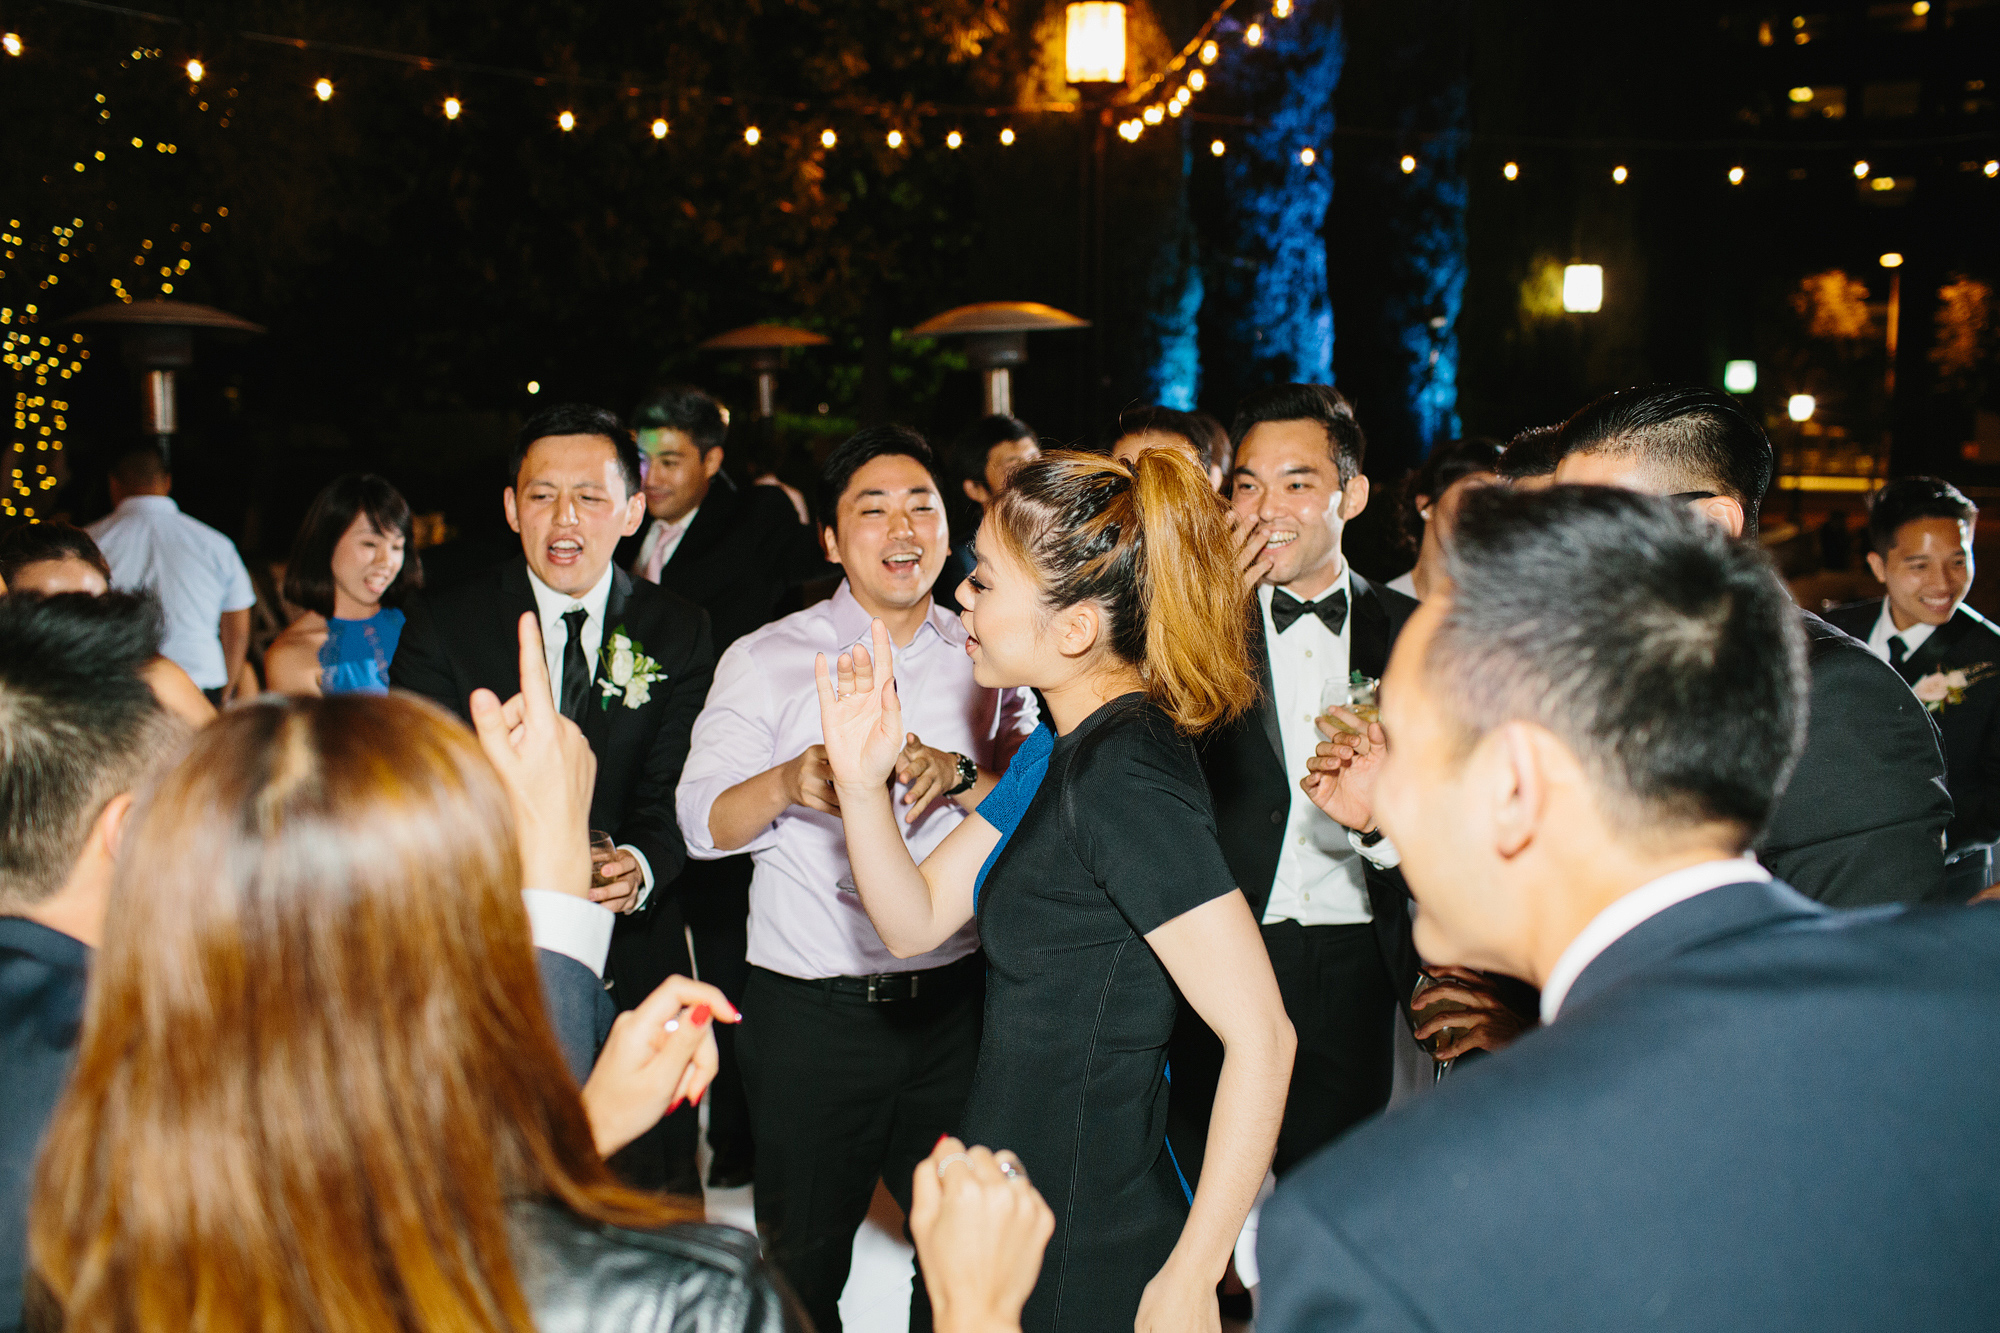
{"x": 586, "y": 1277}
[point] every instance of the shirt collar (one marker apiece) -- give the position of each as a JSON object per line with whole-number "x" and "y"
{"x": 667, "y": 529}
{"x": 1641, "y": 904}
{"x": 851, "y": 621}
{"x": 1885, "y": 629}
{"x": 1343, "y": 583}
{"x": 162, "y": 503}
{"x": 550, "y": 604}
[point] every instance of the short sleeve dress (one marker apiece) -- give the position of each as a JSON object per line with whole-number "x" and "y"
{"x": 1116, "y": 840}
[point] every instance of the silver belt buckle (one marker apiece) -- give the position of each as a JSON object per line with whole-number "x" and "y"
{"x": 872, "y": 982}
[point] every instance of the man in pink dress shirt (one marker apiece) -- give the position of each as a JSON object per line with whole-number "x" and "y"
{"x": 855, "y": 1060}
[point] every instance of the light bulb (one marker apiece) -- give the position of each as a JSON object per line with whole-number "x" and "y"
{"x": 1408, "y": 164}
{"x": 452, "y": 106}
{"x": 567, "y": 120}
{"x": 827, "y": 138}
{"x": 1736, "y": 175}
{"x": 12, "y": 41}
{"x": 1218, "y": 148}
{"x": 323, "y": 89}
{"x": 1254, "y": 35}
{"x": 1307, "y": 157}
{"x": 895, "y": 138}
{"x": 659, "y": 129}
{"x": 1154, "y": 115}
{"x": 195, "y": 70}
{"x": 1209, "y": 51}
{"x": 1007, "y": 136}
{"x": 1861, "y": 170}
{"x": 752, "y": 135}
{"x": 1512, "y": 171}
{"x": 954, "y": 139}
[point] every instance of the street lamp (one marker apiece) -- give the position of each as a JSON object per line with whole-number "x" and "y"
{"x": 1094, "y": 63}
{"x": 1799, "y": 407}
{"x": 1094, "y": 43}
{"x": 766, "y": 344}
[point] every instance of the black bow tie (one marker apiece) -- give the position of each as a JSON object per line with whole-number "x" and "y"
{"x": 1286, "y": 609}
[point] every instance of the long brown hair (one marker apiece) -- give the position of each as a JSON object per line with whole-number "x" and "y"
{"x": 1150, "y": 545}
{"x": 315, "y": 1065}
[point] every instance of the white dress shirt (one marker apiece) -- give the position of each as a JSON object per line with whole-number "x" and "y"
{"x": 551, "y": 606}
{"x": 1885, "y": 630}
{"x": 1627, "y": 913}
{"x": 662, "y": 540}
{"x": 806, "y": 919}
{"x": 1320, "y": 880}
{"x": 195, "y": 570}
{"x": 574, "y": 927}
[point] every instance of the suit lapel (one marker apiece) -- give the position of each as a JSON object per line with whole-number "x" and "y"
{"x": 1368, "y": 639}
{"x": 711, "y": 523}
{"x": 1267, "y": 701}
{"x": 517, "y": 599}
{"x": 1931, "y": 656}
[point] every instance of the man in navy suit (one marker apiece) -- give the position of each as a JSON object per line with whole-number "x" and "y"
{"x": 1921, "y": 529}
{"x": 1743, "y": 1111}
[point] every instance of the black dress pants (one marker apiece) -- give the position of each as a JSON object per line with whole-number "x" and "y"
{"x": 1339, "y": 998}
{"x": 843, "y": 1092}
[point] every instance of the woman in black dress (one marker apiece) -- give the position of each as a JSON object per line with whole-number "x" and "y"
{"x": 1095, "y": 874}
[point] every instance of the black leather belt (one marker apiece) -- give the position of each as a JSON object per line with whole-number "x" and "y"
{"x": 890, "y": 987}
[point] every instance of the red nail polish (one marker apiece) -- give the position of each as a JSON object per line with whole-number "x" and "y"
{"x": 672, "y": 1106}
{"x": 941, "y": 1139}
{"x": 700, "y": 1015}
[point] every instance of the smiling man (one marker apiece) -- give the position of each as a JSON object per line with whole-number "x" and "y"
{"x": 855, "y": 1060}
{"x": 628, "y": 662}
{"x": 1725, "y": 1121}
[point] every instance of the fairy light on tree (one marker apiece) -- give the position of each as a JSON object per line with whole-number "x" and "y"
{"x": 195, "y": 69}
{"x": 827, "y": 138}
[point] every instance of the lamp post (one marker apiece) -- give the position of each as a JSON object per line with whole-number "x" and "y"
{"x": 996, "y": 334}
{"x": 158, "y": 339}
{"x": 1094, "y": 64}
{"x": 765, "y": 346}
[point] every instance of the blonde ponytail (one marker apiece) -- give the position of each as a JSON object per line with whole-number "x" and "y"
{"x": 1150, "y": 545}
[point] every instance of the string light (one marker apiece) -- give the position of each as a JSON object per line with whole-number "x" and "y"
{"x": 954, "y": 139}
{"x": 1993, "y": 169}
{"x": 323, "y": 90}
{"x": 895, "y": 138}
{"x": 1175, "y": 107}
{"x": 1197, "y": 80}
{"x": 1218, "y": 148}
{"x": 1153, "y": 115}
{"x": 534, "y": 386}
{"x": 12, "y": 41}
{"x": 1861, "y": 170}
{"x": 752, "y": 135}
{"x": 195, "y": 69}
{"x": 1882, "y": 183}
{"x": 1281, "y": 9}
{"x": 1007, "y": 136}
{"x": 827, "y": 138}
{"x": 1130, "y": 130}
{"x": 659, "y": 129}
{"x": 1512, "y": 171}
{"x": 1307, "y": 157}
{"x": 1619, "y": 175}
{"x": 452, "y": 106}
{"x": 567, "y": 120}
{"x": 1209, "y": 51}
{"x": 1408, "y": 164}
{"x": 1254, "y": 35}
{"x": 1736, "y": 175}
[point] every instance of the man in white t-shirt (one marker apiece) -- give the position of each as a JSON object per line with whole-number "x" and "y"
{"x": 193, "y": 569}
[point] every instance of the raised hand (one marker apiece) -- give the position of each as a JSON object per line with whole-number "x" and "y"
{"x": 862, "y": 719}
{"x": 1340, "y": 777}
{"x": 1251, "y": 562}
{"x": 548, "y": 770}
{"x": 657, "y": 1056}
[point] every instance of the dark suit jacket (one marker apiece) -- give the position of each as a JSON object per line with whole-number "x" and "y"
{"x": 580, "y": 1009}
{"x": 1971, "y": 729}
{"x": 1862, "y": 819}
{"x": 42, "y": 978}
{"x": 465, "y": 638}
{"x": 1750, "y": 1114}
{"x": 1253, "y": 788}
{"x": 745, "y": 550}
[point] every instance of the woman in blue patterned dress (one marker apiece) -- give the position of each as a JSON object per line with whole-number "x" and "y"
{"x": 349, "y": 569}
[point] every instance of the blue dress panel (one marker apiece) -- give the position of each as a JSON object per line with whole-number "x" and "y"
{"x": 355, "y": 657}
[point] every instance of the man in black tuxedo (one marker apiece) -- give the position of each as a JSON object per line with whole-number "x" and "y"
{"x": 740, "y": 555}
{"x": 1338, "y": 931}
{"x": 1735, "y": 1114}
{"x": 629, "y": 663}
{"x": 1921, "y": 529}
{"x": 1863, "y": 819}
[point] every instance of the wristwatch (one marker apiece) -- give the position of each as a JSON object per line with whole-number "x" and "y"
{"x": 968, "y": 773}
{"x": 1370, "y": 838}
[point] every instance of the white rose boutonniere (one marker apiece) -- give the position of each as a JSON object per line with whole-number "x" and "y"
{"x": 1941, "y": 689}
{"x": 628, "y": 672}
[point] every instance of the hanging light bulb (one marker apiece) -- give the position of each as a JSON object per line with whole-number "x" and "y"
{"x": 1197, "y": 80}
{"x": 1861, "y": 170}
{"x": 1218, "y": 148}
{"x": 1154, "y": 115}
{"x": 1209, "y": 51}
{"x": 1281, "y": 9}
{"x": 1174, "y": 108}
{"x": 1618, "y": 174}
{"x": 1408, "y": 164}
{"x": 1254, "y": 35}
{"x": 12, "y": 42}
{"x": 1736, "y": 175}
{"x": 660, "y": 129}
{"x": 323, "y": 90}
{"x": 827, "y": 138}
{"x": 1007, "y": 136}
{"x": 1512, "y": 171}
{"x": 895, "y": 138}
{"x": 452, "y": 106}
{"x": 195, "y": 69}
{"x": 1307, "y": 157}
{"x": 752, "y": 135}
{"x": 954, "y": 139}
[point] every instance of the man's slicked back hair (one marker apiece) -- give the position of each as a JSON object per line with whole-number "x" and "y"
{"x": 1910, "y": 498}
{"x": 691, "y": 411}
{"x": 577, "y": 419}
{"x": 1692, "y": 439}
{"x": 1319, "y": 403}
{"x": 858, "y": 450}
{"x": 1664, "y": 654}
{"x": 1533, "y": 452}
{"x": 78, "y": 725}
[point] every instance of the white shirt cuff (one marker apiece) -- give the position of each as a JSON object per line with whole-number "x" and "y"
{"x": 645, "y": 874}
{"x": 1383, "y": 855}
{"x": 573, "y": 927}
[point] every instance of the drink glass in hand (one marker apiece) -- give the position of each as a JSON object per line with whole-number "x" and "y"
{"x": 1419, "y": 1011}
{"x": 602, "y": 849}
{"x": 1356, "y": 694}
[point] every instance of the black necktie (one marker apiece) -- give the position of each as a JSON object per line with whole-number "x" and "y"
{"x": 576, "y": 672}
{"x": 1899, "y": 653}
{"x": 1286, "y": 608}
